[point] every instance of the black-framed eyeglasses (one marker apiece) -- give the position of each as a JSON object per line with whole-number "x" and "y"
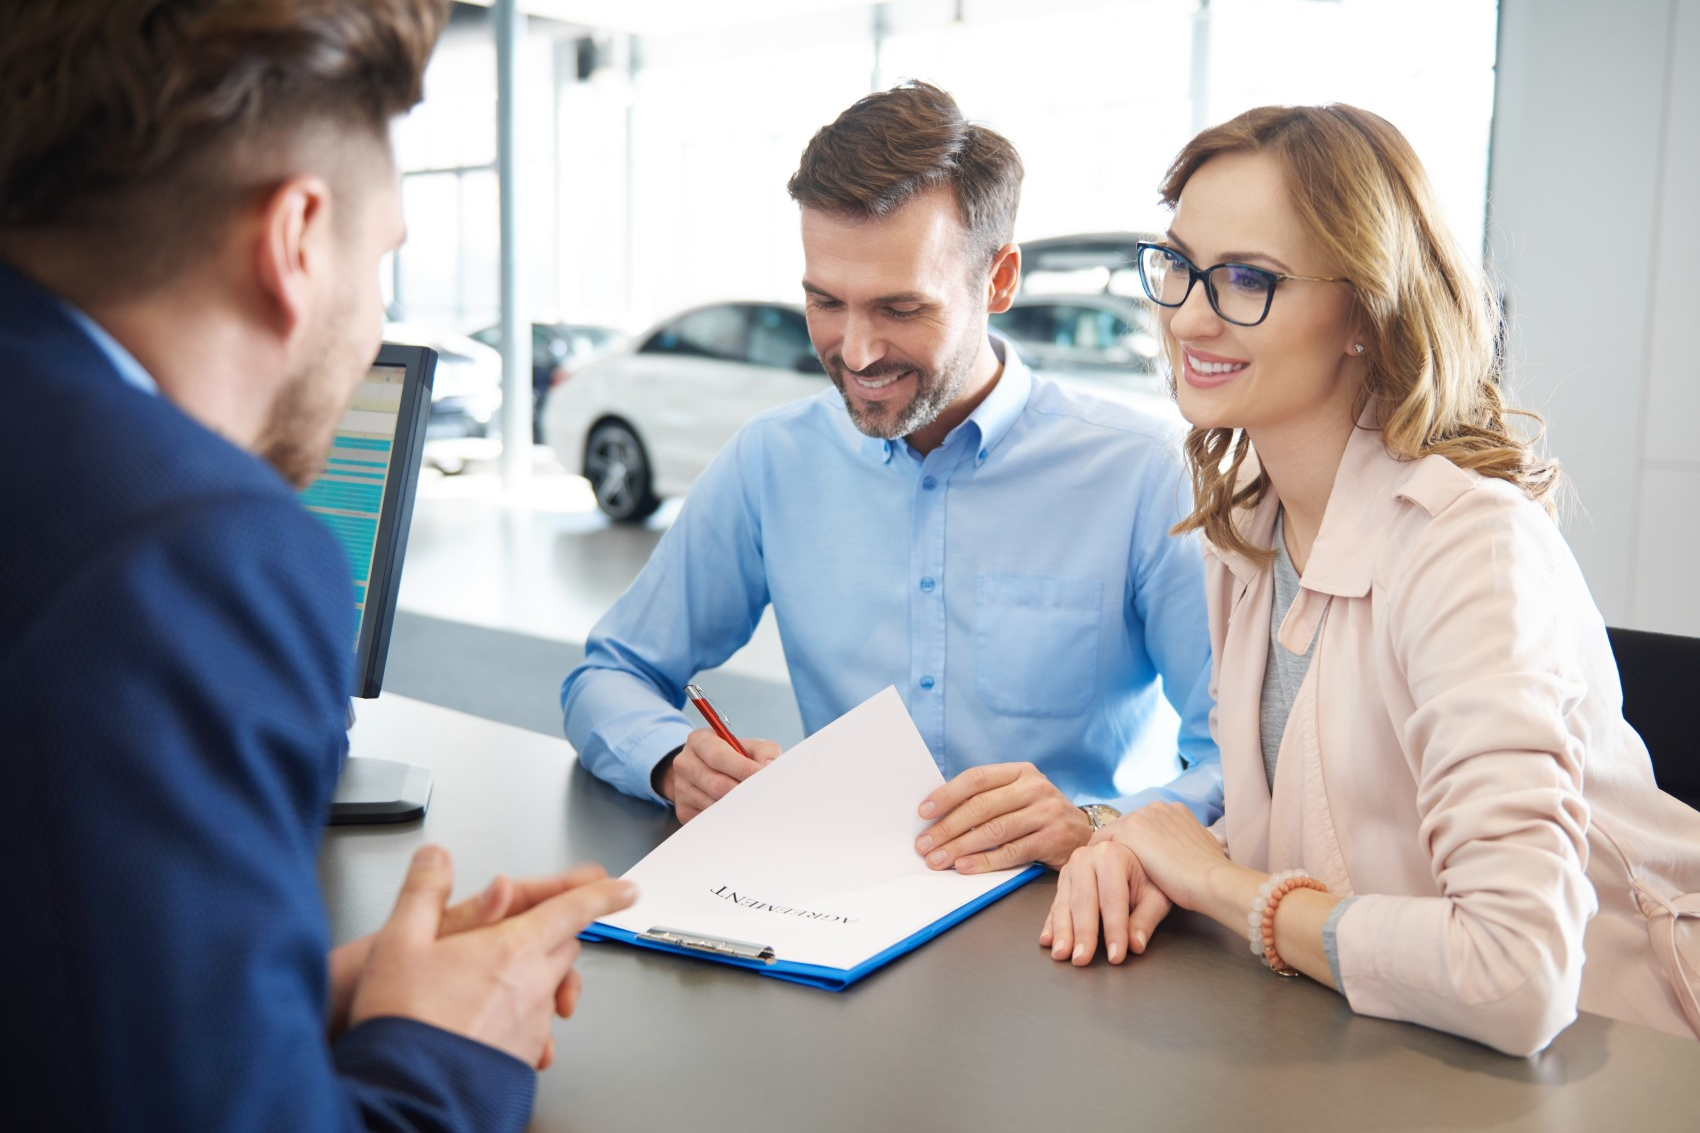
{"x": 1240, "y": 293}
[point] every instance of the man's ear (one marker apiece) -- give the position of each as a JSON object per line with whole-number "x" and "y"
{"x": 1005, "y": 278}
{"x": 291, "y": 251}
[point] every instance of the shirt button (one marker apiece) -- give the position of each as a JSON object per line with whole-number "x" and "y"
{"x": 927, "y": 585}
{"x": 926, "y": 682}
{"x": 928, "y": 483}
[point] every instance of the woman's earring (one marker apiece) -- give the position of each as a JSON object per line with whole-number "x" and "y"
{"x": 1357, "y": 348}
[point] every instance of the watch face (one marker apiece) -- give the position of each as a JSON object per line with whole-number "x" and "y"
{"x": 1100, "y": 815}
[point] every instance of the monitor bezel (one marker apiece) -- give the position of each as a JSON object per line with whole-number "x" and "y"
{"x": 390, "y": 547}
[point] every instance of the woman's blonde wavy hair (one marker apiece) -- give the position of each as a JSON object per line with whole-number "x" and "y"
{"x": 1428, "y": 322}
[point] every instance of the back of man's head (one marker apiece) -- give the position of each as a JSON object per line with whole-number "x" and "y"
{"x": 133, "y": 127}
{"x": 892, "y": 146}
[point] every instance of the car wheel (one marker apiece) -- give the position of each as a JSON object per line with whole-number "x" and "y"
{"x": 618, "y": 471}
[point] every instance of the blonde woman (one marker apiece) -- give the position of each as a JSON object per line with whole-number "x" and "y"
{"x": 1434, "y": 804}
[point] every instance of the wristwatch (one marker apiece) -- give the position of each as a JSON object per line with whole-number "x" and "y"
{"x": 1100, "y": 815}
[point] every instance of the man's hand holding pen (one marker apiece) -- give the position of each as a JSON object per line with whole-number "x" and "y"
{"x": 712, "y": 762}
{"x": 707, "y": 767}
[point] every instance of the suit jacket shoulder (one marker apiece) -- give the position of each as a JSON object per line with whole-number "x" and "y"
{"x": 175, "y": 642}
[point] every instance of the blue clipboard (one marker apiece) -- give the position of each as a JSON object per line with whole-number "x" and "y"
{"x": 761, "y": 959}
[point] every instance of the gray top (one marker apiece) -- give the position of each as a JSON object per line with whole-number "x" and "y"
{"x": 1282, "y": 675}
{"x": 1194, "y": 1034}
{"x": 1285, "y": 671}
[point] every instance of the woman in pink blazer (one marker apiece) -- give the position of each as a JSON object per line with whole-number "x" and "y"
{"x": 1417, "y": 706}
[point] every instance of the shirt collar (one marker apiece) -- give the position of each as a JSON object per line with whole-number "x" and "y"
{"x": 122, "y": 360}
{"x": 996, "y": 415}
{"x": 992, "y": 418}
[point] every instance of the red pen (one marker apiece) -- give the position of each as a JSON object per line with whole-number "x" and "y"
{"x": 700, "y": 699}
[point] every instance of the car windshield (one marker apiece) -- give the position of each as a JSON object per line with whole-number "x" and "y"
{"x": 778, "y": 338}
{"x": 1065, "y": 324}
{"x": 714, "y": 332}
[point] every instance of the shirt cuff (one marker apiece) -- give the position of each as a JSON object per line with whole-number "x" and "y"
{"x": 648, "y": 753}
{"x": 1198, "y": 788}
{"x": 1330, "y": 946}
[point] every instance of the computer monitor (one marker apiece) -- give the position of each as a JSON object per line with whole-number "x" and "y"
{"x": 365, "y": 495}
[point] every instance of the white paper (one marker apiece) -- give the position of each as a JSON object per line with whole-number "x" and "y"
{"x": 813, "y": 856}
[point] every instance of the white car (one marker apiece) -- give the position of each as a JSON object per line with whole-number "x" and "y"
{"x": 1104, "y": 336}
{"x": 642, "y": 424}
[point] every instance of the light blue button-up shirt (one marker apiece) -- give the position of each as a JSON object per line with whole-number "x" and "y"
{"x": 1018, "y": 585}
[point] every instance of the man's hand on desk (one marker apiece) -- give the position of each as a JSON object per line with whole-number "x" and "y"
{"x": 495, "y": 968}
{"x": 502, "y": 898}
{"x": 707, "y": 767}
{"x": 999, "y": 816}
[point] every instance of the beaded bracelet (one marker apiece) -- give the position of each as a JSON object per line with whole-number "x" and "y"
{"x": 1260, "y": 922}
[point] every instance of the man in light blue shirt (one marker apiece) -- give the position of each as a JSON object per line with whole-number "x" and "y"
{"x": 995, "y": 546}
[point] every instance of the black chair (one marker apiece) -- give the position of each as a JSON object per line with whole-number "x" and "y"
{"x": 1661, "y": 685}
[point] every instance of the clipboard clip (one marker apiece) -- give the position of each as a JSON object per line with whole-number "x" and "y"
{"x": 720, "y": 946}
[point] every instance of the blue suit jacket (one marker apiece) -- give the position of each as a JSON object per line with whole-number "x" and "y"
{"x": 175, "y": 646}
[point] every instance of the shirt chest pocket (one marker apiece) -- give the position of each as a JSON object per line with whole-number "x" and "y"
{"x": 1036, "y": 643}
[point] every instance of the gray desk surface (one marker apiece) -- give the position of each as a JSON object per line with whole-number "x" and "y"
{"x": 977, "y": 1029}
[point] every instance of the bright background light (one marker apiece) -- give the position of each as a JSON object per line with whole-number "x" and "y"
{"x": 657, "y": 181}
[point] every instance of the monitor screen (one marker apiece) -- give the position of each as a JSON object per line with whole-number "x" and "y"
{"x": 365, "y": 494}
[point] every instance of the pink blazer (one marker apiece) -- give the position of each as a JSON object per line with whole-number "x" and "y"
{"x": 1457, "y": 756}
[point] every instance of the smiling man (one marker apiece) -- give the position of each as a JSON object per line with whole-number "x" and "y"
{"x": 943, "y": 521}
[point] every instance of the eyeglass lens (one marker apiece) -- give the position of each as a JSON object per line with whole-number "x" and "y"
{"x": 1239, "y": 293}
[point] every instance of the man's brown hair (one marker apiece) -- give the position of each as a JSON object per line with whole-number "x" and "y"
{"x": 136, "y": 123}
{"x": 892, "y": 146}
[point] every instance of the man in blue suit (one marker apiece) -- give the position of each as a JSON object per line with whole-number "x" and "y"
{"x": 194, "y": 199}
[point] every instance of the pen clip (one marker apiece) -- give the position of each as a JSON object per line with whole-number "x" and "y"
{"x": 720, "y": 946}
{"x": 716, "y": 722}
{"x": 699, "y": 700}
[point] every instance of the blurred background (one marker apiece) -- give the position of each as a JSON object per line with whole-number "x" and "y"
{"x": 654, "y": 256}
{"x": 654, "y": 145}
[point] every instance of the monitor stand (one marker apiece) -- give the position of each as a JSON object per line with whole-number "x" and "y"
{"x": 375, "y": 791}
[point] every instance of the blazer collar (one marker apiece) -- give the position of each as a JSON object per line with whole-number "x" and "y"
{"x": 42, "y": 325}
{"x": 1369, "y": 489}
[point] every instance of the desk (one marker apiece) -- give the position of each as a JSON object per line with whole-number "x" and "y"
{"x": 976, "y": 1030}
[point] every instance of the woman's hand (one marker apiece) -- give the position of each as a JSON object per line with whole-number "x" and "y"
{"x": 1102, "y": 883}
{"x": 1177, "y": 853}
{"x": 1132, "y": 873}
{"x": 1160, "y": 854}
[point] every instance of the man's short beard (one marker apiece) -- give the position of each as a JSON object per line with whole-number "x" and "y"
{"x": 296, "y": 441}
{"x": 302, "y": 423}
{"x": 935, "y": 391}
